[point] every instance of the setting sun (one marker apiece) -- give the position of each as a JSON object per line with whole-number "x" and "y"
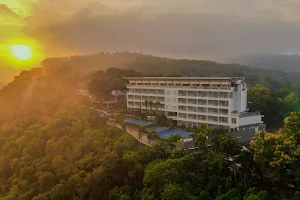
{"x": 21, "y": 52}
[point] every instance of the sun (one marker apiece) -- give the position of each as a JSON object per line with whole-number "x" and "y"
{"x": 21, "y": 52}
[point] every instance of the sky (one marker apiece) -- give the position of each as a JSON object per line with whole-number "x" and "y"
{"x": 199, "y": 29}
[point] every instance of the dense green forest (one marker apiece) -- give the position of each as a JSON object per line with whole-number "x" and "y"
{"x": 52, "y": 146}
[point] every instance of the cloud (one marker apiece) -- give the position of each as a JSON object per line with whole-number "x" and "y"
{"x": 4, "y": 10}
{"x": 208, "y": 29}
{"x": 8, "y": 18}
{"x": 201, "y": 29}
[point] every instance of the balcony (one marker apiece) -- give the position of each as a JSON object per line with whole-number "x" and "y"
{"x": 182, "y": 108}
{"x": 202, "y": 118}
{"x": 181, "y": 115}
{"x": 206, "y": 87}
{"x": 223, "y": 120}
{"x": 223, "y": 111}
{"x": 202, "y": 110}
{"x": 192, "y": 102}
{"x": 194, "y": 117}
{"x": 192, "y": 110}
{"x": 223, "y": 104}
{"x": 213, "y": 119}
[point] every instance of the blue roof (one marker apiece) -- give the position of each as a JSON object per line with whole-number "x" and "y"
{"x": 160, "y": 129}
{"x": 138, "y": 122}
{"x": 176, "y": 131}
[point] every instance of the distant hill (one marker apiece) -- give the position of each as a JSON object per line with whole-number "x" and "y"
{"x": 155, "y": 66}
{"x": 90, "y": 63}
{"x": 284, "y": 63}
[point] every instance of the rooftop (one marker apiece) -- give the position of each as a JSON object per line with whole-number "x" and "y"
{"x": 248, "y": 114}
{"x": 233, "y": 79}
{"x": 138, "y": 122}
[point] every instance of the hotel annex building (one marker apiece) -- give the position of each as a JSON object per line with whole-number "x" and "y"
{"x": 216, "y": 101}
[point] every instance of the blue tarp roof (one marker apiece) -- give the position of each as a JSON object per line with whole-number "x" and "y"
{"x": 175, "y": 131}
{"x": 138, "y": 122}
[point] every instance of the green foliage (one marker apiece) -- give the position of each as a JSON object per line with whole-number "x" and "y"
{"x": 227, "y": 145}
{"x": 174, "y": 192}
{"x": 232, "y": 194}
{"x": 142, "y": 128}
{"x": 256, "y": 194}
{"x": 154, "y": 134}
{"x": 201, "y": 141}
{"x": 174, "y": 138}
{"x": 101, "y": 84}
{"x": 171, "y": 125}
{"x": 53, "y": 147}
{"x": 161, "y": 120}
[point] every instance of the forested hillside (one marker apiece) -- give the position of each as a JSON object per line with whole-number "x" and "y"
{"x": 274, "y": 93}
{"x": 280, "y": 62}
{"x": 53, "y": 147}
{"x": 151, "y": 65}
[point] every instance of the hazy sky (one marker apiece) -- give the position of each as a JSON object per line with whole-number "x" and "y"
{"x": 201, "y": 29}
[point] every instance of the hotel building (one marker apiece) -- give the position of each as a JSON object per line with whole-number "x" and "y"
{"x": 216, "y": 101}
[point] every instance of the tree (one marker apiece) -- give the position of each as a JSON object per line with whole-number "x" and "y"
{"x": 143, "y": 128}
{"x": 123, "y": 124}
{"x": 174, "y": 138}
{"x": 291, "y": 103}
{"x": 171, "y": 125}
{"x": 201, "y": 142}
{"x": 146, "y": 104}
{"x": 256, "y": 194}
{"x": 232, "y": 194}
{"x": 157, "y": 104}
{"x": 226, "y": 144}
{"x": 161, "y": 119}
{"x": 292, "y": 125}
{"x": 174, "y": 192}
{"x": 150, "y": 106}
{"x": 46, "y": 181}
{"x": 189, "y": 126}
{"x": 261, "y": 99}
{"x": 154, "y": 133}
{"x": 275, "y": 153}
{"x": 141, "y": 107}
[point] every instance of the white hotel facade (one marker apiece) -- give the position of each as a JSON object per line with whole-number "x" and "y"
{"x": 216, "y": 101}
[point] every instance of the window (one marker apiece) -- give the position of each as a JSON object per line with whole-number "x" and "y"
{"x": 233, "y": 120}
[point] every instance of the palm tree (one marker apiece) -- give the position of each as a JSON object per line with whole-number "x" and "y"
{"x": 151, "y": 106}
{"x": 204, "y": 128}
{"x": 189, "y": 124}
{"x": 146, "y": 104}
{"x": 141, "y": 106}
{"x": 157, "y": 103}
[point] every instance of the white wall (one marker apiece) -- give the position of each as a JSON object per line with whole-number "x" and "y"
{"x": 249, "y": 120}
{"x": 171, "y": 94}
{"x": 239, "y": 103}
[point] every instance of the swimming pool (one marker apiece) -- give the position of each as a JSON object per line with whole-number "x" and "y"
{"x": 138, "y": 122}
